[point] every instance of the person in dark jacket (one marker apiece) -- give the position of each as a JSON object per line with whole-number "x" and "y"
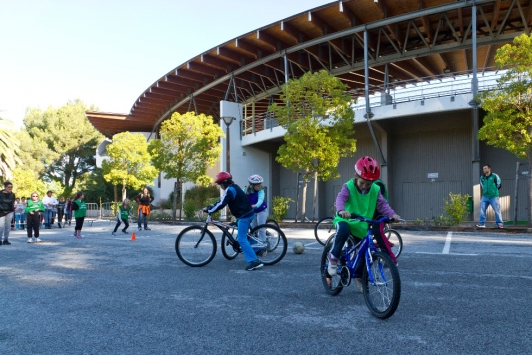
{"x": 7, "y": 210}
{"x": 235, "y": 198}
{"x": 144, "y": 200}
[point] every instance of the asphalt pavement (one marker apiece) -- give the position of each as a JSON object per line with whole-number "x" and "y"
{"x": 462, "y": 293}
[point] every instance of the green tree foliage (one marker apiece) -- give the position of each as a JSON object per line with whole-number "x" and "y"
{"x": 189, "y": 144}
{"x": 508, "y": 123}
{"x": 26, "y": 181}
{"x": 95, "y": 187}
{"x": 9, "y": 149}
{"x": 129, "y": 163}
{"x": 66, "y": 142}
{"x": 318, "y": 117}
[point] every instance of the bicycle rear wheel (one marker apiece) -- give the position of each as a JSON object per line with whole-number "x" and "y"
{"x": 228, "y": 250}
{"x": 271, "y": 250}
{"x": 195, "y": 248}
{"x": 323, "y": 229}
{"x": 395, "y": 240}
{"x": 273, "y": 221}
{"x": 382, "y": 296}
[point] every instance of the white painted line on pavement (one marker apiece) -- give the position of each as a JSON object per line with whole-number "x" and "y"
{"x": 426, "y": 252}
{"x": 447, "y": 245}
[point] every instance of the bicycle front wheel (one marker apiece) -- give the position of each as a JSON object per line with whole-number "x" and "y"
{"x": 323, "y": 229}
{"x": 383, "y": 294}
{"x": 194, "y": 247}
{"x": 333, "y": 284}
{"x": 269, "y": 242}
{"x": 395, "y": 240}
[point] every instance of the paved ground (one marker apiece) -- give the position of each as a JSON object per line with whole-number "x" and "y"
{"x": 462, "y": 293}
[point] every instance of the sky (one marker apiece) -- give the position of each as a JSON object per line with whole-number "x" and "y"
{"x": 107, "y": 52}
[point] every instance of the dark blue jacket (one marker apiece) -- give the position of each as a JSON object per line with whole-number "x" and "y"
{"x": 237, "y": 201}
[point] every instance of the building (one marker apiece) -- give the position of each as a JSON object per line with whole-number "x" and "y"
{"x": 425, "y": 140}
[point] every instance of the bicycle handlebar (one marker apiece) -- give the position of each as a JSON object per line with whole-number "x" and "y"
{"x": 382, "y": 219}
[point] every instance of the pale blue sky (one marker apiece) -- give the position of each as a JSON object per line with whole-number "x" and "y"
{"x": 107, "y": 52}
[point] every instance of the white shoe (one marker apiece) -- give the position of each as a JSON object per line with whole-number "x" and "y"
{"x": 37, "y": 240}
{"x": 332, "y": 267}
{"x": 358, "y": 284}
{"x": 30, "y": 240}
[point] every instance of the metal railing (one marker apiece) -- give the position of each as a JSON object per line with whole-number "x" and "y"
{"x": 446, "y": 85}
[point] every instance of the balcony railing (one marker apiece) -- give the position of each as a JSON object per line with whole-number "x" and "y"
{"x": 446, "y": 85}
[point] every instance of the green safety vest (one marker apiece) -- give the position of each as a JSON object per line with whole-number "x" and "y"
{"x": 363, "y": 205}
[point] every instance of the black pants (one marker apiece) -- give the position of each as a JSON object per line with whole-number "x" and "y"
{"x": 79, "y": 223}
{"x": 119, "y": 222}
{"x": 33, "y": 221}
{"x": 60, "y": 214}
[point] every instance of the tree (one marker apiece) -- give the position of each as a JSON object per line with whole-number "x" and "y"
{"x": 68, "y": 142}
{"x": 9, "y": 149}
{"x": 129, "y": 163}
{"x": 508, "y": 123}
{"x": 189, "y": 144}
{"x": 318, "y": 118}
{"x": 26, "y": 181}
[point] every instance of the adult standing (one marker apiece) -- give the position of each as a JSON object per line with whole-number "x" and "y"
{"x": 7, "y": 209}
{"x": 144, "y": 200}
{"x": 490, "y": 183}
{"x": 49, "y": 202}
{"x": 34, "y": 209}
{"x": 60, "y": 211}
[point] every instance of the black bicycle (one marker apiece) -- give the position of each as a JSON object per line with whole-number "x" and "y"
{"x": 196, "y": 245}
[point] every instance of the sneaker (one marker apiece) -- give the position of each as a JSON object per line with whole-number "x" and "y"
{"x": 500, "y": 226}
{"x": 125, "y": 232}
{"x": 7, "y": 242}
{"x": 255, "y": 264}
{"x": 332, "y": 267}
{"x": 480, "y": 226}
{"x": 140, "y": 229}
{"x": 59, "y": 224}
{"x": 80, "y": 236}
{"x": 30, "y": 240}
{"x": 358, "y": 284}
{"x": 147, "y": 229}
{"x": 113, "y": 233}
{"x": 37, "y": 240}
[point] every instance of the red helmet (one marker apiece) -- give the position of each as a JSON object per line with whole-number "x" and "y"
{"x": 223, "y": 177}
{"x": 368, "y": 168}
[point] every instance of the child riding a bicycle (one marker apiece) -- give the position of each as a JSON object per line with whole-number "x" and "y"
{"x": 255, "y": 194}
{"x": 361, "y": 196}
{"x": 238, "y": 203}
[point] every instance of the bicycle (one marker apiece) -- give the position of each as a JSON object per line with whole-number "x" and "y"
{"x": 196, "y": 245}
{"x": 381, "y": 284}
{"x": 324, "y": 230}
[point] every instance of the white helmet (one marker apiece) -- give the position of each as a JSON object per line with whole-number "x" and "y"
{"x": 255, "y": 179}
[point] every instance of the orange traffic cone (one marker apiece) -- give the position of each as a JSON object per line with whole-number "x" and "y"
{"x": 133, "y": 238}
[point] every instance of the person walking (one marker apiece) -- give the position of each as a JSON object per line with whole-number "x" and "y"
{"x": 34, "y": 209}
{"x": 7, "y": 209}
{"x": 80, "y": 211}
{"x": 123, "y": 217}
{"x": 144, "y": 200}
{"x": 49, "y": 202}
{"x": 60, "y": 211}
{"x": 490, "y": 183}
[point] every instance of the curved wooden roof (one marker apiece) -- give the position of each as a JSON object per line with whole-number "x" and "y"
{"x": 418, "y": 39}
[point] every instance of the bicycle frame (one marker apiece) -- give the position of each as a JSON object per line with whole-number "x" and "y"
{"x": 362, "y": 251}
{"x": 224, "y": 227}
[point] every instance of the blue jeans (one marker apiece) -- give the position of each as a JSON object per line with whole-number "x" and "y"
{"x": 19, "y": 220}
{"x": 143, "y": 217}
{"x": 494, "y": 202}
{"x": 243, "y": 227}
{"x": 48, "y": 214}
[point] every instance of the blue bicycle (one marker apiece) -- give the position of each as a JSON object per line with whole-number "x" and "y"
{"x": 380, "y": 280}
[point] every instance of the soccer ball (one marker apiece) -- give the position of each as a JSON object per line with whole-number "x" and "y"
{"x": 298, "y": 248}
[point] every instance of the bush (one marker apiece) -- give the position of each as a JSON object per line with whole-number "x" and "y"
{"x": 213, "y": 200}
{"x": 160, "y": 216}
{"x": 199, "y": 195}
{"x": 189, "y": 209}
{"x": 442, "y": 221}
{"x": 456, "y": 208}
{"x": 280, "y": 207}
{"x": 166, "y": 204}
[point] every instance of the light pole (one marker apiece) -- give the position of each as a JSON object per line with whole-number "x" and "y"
{"x": 228, "y": 120}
